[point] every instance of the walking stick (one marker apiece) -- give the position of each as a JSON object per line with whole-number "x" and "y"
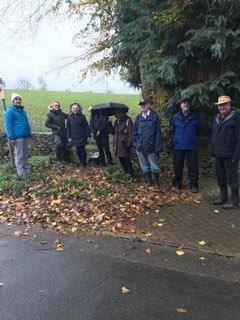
{"x": 2, "y": 98}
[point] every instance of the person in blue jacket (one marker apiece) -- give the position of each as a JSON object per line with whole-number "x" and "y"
{"x": 18, "y": 132}
{"x": 147, "y": 141}
{"x": 185, "y": 129}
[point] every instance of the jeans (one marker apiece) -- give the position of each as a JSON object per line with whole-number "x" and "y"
{"x": 148, "y": 162}
{"x": 82, "y": 155}
{"x": 126, "y": 165}
{"x": 192, "y": 164}
{"x": 20, "y": 148}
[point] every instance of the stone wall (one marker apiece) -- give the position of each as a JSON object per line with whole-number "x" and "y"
{"x": 42, "y": 144}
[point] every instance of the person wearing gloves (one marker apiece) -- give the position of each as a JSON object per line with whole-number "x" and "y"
{"x": 185, "y": 133}
{"x": 147, "y": 141}
{"x": 56, "y": 120}
{"x": 225, "y": 148}
{"x": 18, "y": 132}
{"x": 78, "y": 132}
{"x": 122, "y": 141}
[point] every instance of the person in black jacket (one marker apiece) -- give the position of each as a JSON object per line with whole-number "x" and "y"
{"x": 56, "y": 120}
{"x": 101, "y": 128}
{"x": 78, "y": 132}
{"x": 225, "y": 147}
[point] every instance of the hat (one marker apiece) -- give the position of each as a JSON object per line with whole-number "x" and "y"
{"x": 15, "y": 95}
{"x": 184, "y": 100}
{"x": 223, "y": 99}
{"x": 144, "y": 101}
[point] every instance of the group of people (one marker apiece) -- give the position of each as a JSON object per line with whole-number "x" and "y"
{"x": 144, "y": 136}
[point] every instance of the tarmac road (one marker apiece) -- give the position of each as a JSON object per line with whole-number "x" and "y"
{"x": 84, "y": 281}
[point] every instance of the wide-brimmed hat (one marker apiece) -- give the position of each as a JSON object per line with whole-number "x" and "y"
{"x": 223, "y": 99}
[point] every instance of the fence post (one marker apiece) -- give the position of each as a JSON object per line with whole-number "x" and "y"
{"x": 2, "y": 98}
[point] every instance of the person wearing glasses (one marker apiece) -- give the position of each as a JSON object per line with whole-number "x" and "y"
{"x": 56, "y": 121}
{"x": 18, "y": 132}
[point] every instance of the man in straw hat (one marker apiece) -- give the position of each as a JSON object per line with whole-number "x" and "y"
{"x": 226, "y": 150}
{"x": 18, "y": 132}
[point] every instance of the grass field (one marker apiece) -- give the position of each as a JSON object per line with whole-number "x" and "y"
{"x": 36, "y": 103}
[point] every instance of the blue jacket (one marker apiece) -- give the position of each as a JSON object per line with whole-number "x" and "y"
{"x": 147, "y": 136}
{"x": 16, "y": 123}
{"x": 185, "y": 131}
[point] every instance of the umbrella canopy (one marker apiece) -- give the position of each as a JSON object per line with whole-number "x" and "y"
{"x": 109, "y": 108}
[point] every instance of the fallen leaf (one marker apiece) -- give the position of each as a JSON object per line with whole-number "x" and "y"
{"x": 17, "y": 233}
{"x": 60, "y": 247}
{"x": 1, "y": 285}
{"x": 180, "y": 252}
{"x": 202, "y": 258}
{"x": 148, "y": 250}
{"x": 181, "y": 311}
{"x": 55, "y": 202}
{"x": 202, "y": 243}
{"x": 216, "y": 211}
{"x": 74, "y": 229}
{"x": 125, "y": 290}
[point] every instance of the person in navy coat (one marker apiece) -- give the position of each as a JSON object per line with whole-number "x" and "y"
{"x": 185, "y": 129}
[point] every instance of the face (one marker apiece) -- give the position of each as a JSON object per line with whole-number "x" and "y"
{"x": 17, "y": 101}
{"x": 185, "y": 107}
{"x": 75, "y": 108}
{"x": 145, "y": 107}
{"x": 56, "y": 106}
{"x": 224, "y": 108}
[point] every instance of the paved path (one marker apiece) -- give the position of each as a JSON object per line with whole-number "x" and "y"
{"x": 84, "y": 281}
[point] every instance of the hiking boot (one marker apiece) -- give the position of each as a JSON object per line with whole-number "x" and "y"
{"x": 194, "y": 189}
{"x": 230, "y": 206}
{"x": 223, "y": 197}
{"x": 149, "y": 178}
{"x": 156, "y": 178}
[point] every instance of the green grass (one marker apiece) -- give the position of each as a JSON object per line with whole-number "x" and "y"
{"x": 36, "y": 103}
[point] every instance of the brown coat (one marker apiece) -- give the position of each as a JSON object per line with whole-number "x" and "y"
{"x": 123, "y": 136}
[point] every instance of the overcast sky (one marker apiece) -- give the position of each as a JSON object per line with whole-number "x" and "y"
{"x": 31, "y": 57}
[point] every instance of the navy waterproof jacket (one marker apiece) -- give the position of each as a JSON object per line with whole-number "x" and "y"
{"x": 185, "y": 131}
{"x": 16, "y": 123}
{"x": 147, "y": 136}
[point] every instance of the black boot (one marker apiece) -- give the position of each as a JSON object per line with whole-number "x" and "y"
{"x": 223, "y": 197}
{"x": 156, "y": 178}
{"x": 149, "y": 178}
{"x": 234, "y": 204}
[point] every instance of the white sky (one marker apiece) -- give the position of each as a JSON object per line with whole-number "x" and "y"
{"x": 31, "y": 57}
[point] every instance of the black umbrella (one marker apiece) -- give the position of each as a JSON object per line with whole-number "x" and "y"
{"x": 109, "y": 108}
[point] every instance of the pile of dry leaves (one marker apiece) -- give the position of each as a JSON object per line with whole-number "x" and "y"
{"x": 77, "y": 199}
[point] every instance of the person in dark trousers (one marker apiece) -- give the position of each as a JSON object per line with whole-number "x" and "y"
{"x": 123, "y": 128}
{"x": 56, "y": 120}
{"x": 185, "y": 127}
{"x": 78, "y": 132}
{"x": 101, "y": 129}
{"x": 225, "y": 147}
{"x": 147, "y": 141}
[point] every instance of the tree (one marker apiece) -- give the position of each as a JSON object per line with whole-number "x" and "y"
{"x": 42, "y": 84}
{"x": 24, "y": 83}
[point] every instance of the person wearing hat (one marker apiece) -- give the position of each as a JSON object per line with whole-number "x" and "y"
{"x": 147, "y": 141}
{"x": 78, "y": 131}
{"x": 18, "y": 132}
{"x": 185, "y": 127}
{"x": 225, "y": 148}
{"x": 56, "y": 120}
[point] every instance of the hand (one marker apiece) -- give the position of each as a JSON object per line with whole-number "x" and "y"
{"x": 233, "y": 160}
{"x": 98, "y": 133}
{"x": 70, "y": 140}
